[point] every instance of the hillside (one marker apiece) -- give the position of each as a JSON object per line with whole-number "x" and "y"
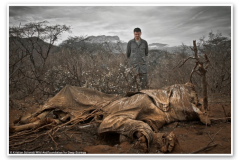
{"x": 113, "y": 43}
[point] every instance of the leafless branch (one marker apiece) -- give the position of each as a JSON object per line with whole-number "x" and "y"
{"x": 208, "y": 146}
{"x": 183, "y": 62}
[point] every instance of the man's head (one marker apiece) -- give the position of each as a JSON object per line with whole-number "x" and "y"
{"x": 137, "y": 33}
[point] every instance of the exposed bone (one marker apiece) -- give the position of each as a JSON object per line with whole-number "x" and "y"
{"x": 61, "y": 115}
{"x": 33, "y": 125}
{"x": 64, "y": 119}
{"x": 29, "y": 118}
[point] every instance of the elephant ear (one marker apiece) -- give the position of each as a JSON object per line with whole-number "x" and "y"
{"x": 175, "y": 93}
{"x": 160, "y": 97}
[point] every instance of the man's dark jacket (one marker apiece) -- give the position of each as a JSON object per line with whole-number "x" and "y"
{"x": 136, "y": 55}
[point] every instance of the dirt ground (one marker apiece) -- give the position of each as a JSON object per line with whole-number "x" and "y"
{"x": 192, "y": 136}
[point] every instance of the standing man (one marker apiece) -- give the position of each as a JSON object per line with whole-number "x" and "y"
{"x": 137, "y": 51}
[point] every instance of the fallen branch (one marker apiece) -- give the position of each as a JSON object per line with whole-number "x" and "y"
{"x": 53, "y": 140}
{"x": 13, "y": 145}
{"x": 210, "y": 137}
{"x": 226, "y": 119}
{"x": 32, "y": 149}
{"x": 217, "y": 132}
{"x": 208, "y": 146}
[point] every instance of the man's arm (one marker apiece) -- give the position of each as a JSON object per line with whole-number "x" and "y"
{"x": 146, "y": 51}
{"x": 128, "y": 52}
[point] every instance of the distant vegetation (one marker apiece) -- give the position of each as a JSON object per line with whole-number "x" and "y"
{"x": 39, "y": 69}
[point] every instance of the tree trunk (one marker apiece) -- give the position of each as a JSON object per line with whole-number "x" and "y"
{"x": 204, "y": 85}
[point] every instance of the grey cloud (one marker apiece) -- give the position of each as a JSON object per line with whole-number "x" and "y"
{"x": 159, "y": 24}
{"x": 18, "y": 10}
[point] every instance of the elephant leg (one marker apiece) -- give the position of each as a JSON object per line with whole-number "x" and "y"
{"x": 141, "y": 142}
{"x": 130, "y": 128}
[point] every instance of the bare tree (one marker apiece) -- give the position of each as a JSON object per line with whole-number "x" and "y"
{"x": 30, "y": 46}
{"x": 201, "y": 69}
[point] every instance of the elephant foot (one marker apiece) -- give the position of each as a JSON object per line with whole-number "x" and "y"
{"x": 141, "y": 142}
{"x": 165, "y": 142}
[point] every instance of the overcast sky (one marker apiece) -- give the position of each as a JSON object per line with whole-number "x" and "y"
{"x": 170, "y": 25}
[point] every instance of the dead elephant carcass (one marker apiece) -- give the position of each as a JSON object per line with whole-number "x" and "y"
{"x": 135, "y": 116}
{"x": 146, "y": 112}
